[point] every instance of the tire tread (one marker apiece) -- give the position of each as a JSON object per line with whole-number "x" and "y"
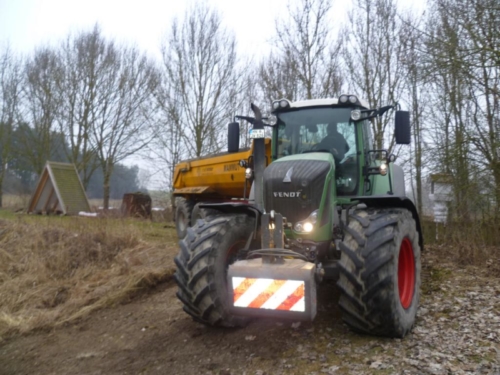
{"x": 198, "y": 264}
{"x": 369, "y": 257}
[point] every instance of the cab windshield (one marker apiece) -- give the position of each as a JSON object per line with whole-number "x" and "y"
{"x": 322, "y": 130}
{"x": 317, "y": 129}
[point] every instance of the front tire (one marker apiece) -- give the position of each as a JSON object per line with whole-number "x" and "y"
{"x": 205, "y": 254}
{"x": 380, "y": 272}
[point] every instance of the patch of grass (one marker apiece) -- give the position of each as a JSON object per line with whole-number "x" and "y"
{"x": 15, "y": 202}
{"x": 433, "y": 276}
{"x": 155, "y": 231}
{"x": 439, "y": 275}
{"x": 54, "y": 269}
{"x": 7, "y": 214}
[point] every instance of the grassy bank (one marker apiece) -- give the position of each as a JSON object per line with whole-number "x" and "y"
{"x": 57, "y": 269}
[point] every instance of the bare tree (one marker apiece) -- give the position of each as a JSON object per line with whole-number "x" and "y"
{"x": 307, "y": 66}
{"x": 462, "y": 45}
{"x": 373, "y": 56}
{"x": 37, "y": 136}
{"x": 480, "y": 22}
{"x": 124, "y": 102}
{"x": 277, "y": 79}
{"x": 166, "y": 148}
{"x": 10, "y": 91}
{"x": 415, "y": 94}
{"x": 83, "y": 57}
{"x": 200, "y": 62}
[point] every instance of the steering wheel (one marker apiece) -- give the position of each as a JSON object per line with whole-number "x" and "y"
{"x": 318, "y": 147}
{"x": 314, "y": 147}
{"x": 348, "y": 159}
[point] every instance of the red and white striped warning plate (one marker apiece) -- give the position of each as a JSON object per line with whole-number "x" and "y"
{"x": 269, "y": 294}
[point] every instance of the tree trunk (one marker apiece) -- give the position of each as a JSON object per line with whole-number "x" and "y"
{"x": 2, "y": 175}
{"x": 496, "y": 175}
{"x": 418, "y": 149}
{"x": 418, "y": 176}
{"x": 105, "y": 188}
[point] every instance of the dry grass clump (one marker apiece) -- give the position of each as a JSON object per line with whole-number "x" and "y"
{"x": 466, "y": 243}
{"x": 55, "y": 270}
{"x": 15, "y": 201}
{"x": 487, "y": 258}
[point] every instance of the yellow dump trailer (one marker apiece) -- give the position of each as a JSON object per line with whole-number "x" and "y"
{"x": 211, "y": 179}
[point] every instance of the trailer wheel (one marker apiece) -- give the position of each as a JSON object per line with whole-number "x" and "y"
{"x": 205, "y": 254}
{"x": 183, "y": 211}
{"x": 201, "y": 213}
{"x": 380, "y": 272}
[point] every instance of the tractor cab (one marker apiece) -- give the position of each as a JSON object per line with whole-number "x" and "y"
{"x": 323, "y": 126}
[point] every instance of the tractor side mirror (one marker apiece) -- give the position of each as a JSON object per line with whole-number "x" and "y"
{"x": 402, "y": 130}
{"x": 233, "y": 137}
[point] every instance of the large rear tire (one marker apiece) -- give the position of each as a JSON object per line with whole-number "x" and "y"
{"x": 183, "y": 212}
{"x": 205, "y": 254}
{"x": 380, "y": 272}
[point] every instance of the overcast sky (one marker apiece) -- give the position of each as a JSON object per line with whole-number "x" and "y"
{"x": 24, "y": 24}
{"x": 28, "y": 23}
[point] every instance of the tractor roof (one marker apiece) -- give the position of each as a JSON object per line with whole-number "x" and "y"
{"x": 323, "y": 102}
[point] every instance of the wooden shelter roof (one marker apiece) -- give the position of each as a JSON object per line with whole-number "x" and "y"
{"x": 59, "y": 190}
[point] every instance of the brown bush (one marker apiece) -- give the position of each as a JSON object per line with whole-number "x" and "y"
{"x": 466, "y": 242}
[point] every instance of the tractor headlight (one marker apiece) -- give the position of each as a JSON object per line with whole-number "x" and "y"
{"x": 248, "y": 173}
{"x": 272, "y": 120}
{"x": 344, "y": 99}
{"x": 307, "y": 225}
{"x": 383, "y": 169}
{"x": 355, "y": 115}
{"x": 280, "y": 104}
{"x": 284, "y": 103}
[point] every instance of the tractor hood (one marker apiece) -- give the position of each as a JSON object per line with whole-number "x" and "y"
{"x": 320, "y": 156}
{"x": 294, "y": 185}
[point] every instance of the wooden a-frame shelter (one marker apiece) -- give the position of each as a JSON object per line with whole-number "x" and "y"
{"x": 59, "y": 190}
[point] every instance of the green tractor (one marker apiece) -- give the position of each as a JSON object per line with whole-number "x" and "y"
{"x": 328, "y": 207}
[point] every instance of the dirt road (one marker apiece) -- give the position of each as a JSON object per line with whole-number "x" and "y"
{"x": 457, "y": 332}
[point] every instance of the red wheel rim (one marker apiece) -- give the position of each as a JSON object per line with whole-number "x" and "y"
{"x": 406, "y": 273}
